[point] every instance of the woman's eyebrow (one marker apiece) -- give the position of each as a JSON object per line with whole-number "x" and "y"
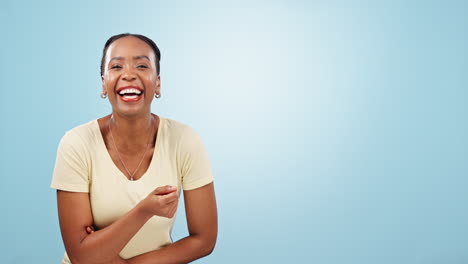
{"x": 141, "y": 57}
{"x": 135, "y": 58}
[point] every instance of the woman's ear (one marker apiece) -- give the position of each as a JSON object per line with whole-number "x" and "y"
{"x": 104, "y": 89}
{"x": 157, "y": 89}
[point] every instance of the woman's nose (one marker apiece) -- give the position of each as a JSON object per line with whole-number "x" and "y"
{"x": 128, "y": 75}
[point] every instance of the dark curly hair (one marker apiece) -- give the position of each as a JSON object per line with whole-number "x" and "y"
{"x": 147, "y": 40}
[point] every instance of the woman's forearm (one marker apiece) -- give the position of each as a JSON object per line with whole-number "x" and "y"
{"x": 183, "y": 251}
{"x": 105, "y": 245}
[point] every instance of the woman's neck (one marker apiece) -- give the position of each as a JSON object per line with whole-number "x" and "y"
{"x": 132, "y": 131}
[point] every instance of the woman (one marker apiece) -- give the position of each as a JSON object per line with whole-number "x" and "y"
{"x": 118, "y": 178}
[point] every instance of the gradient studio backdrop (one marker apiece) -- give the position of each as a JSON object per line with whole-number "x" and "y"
{"x": 337, "y": 131}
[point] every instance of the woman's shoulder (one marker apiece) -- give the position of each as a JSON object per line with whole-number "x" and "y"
{"x": 175, "y": 127}
{"x": 82, "y": 134}
{"x": 179, "y": 130}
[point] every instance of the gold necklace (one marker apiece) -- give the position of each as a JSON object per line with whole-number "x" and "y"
{"x": 118, "y": 153}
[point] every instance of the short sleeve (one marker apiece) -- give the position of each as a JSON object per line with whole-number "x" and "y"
{"x": 194, "y": 165}
{"x": 71, "y": 171}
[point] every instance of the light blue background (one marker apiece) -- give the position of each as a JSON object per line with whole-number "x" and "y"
{"x": 337, "y": 130}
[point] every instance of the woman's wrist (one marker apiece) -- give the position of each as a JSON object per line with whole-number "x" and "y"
{"x": 141, "y": 210}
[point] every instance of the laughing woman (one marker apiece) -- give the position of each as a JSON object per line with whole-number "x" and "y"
{"x": 119, "y": 178}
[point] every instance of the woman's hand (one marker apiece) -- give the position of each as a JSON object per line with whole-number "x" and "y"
{"x": 162, "y": 201}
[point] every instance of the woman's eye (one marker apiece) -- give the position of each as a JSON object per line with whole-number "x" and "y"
{"x": 116, "y": 67}
{"x": 142, "y": 66}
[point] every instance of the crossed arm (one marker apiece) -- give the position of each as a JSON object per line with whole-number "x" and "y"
{"x": 104, "y": 246}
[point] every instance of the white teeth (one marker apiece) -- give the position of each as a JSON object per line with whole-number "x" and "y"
{"x": 130, "y": 96}
{"x": 130, "y": 90}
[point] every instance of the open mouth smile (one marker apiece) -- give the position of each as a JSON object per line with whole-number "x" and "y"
{"x": 130, "y": 93}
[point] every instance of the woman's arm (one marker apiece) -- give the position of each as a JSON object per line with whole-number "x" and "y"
{"x": 202, "y": 220}
{"x": 104, "y": 246}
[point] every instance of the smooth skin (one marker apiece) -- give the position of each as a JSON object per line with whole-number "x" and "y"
{"x": 130, "y": 61}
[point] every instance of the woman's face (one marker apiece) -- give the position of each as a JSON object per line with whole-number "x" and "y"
{"x": 130, "y": 76}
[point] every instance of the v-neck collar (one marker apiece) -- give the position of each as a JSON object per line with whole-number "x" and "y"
{"x": 109, "y": 158}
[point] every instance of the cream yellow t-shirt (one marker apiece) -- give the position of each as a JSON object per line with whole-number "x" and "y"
{"x": 84, "y": 165}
